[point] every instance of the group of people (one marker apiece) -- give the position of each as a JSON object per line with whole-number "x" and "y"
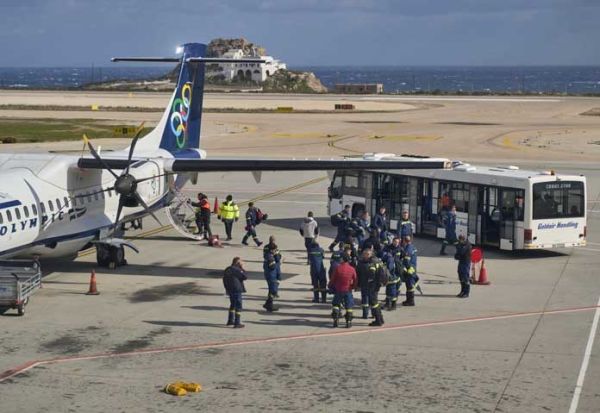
{"x": 229, "y": 213}
{"x": 366, "y": 256}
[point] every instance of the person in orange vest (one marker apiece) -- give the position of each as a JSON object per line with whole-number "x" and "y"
{"x": 228, "y": 213}
{"x": 202, "y": 213}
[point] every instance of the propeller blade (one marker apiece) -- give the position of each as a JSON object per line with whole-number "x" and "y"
{"x": 152, "y": 177}
{"x": 119, "y": 210}
{"x": 86, "y": 140}
{"x": 142, "y": 203}
{"x": 132, "y": 147}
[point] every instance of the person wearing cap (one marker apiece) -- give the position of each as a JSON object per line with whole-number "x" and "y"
{"x": 228, "y": 213}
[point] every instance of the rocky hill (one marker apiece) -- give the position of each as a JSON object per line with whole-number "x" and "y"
{"x": 287, "y": 81}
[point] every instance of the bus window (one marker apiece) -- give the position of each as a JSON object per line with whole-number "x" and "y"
{"x": 511, "y": 204}
{"x": 335, "y": 191}
{"x": 351, "y": 181}
{"x": 459, "y": 196}
{"x": 560, "y": 199}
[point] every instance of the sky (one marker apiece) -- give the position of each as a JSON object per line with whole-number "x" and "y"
{"x": 306, "y": 32}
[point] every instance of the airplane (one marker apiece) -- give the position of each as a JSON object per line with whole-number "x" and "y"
{"x": 54, "y": 205}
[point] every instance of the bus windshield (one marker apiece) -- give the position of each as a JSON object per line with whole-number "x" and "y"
{"x": 558, "y": 199}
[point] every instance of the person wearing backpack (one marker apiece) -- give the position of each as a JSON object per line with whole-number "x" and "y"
{"x": 254, "y": 217}
{"x": 341, "y": 221}
{"x": 409, "y": 270}
{"x": 371, "y": 277}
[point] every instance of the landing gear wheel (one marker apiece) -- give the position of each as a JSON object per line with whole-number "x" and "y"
{"x": 110, "y": 256}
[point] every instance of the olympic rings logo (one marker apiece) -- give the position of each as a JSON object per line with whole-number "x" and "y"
{"x": 180, "y": 113}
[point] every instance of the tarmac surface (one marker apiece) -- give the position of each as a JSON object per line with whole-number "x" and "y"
{"x": 517, "y": 345}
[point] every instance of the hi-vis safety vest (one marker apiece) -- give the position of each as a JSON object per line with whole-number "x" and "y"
{"x": 229, "y": 210}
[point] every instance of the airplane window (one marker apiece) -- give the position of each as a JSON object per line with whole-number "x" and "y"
{"x": 50, "y": 206}
{"x": 66, "y": 202}
{"x": 26, "y": 211}
{"x": 8, "y": 216}
{"x": 1, "y": 219}
{"x": 89, "y": 197}
{"x": 17, "y": 213}
{"x": 96, "y": 196}
{"x": 58, "y": 204}
{"x": 42, "y": 208}
{"x": 34, "y": 209}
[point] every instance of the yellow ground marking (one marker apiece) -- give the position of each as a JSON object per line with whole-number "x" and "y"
{"x": 406, "y": 138}
{"x": 507, "y": 142}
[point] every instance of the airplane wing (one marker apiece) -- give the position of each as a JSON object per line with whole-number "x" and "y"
{"x": 250, "y": 165}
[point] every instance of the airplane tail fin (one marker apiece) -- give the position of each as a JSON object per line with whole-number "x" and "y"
{"x": 179, "y": 128}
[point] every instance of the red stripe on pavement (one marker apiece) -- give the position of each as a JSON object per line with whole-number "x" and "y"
{"x": 31, "y": 364}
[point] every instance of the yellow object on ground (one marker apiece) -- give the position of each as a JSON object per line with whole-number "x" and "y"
{"x": 175, "y": 390}
{"x": 191, "y": 387}
{"x": 95, "y": 107}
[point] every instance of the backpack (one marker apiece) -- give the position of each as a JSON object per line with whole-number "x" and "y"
{"x": 335, "y": 220}
{"x": 260, "y": 216}
{"x": 383, "y": 274}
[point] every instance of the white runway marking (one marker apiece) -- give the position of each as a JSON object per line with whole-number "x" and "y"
{"x": 585, "y": 362}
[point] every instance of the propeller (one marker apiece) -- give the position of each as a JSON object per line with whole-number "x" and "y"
{"x": 125, "y": 184}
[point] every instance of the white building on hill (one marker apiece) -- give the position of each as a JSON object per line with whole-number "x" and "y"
{"x": 257, "y": 72}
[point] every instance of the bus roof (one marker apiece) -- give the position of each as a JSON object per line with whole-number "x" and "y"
{"x": 507, "y": 175}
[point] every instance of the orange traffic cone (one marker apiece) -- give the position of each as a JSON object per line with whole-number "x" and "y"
{"x": 93, "y": 288}
{"x": 483, "y": 278}
{"x": 216, "y": 207}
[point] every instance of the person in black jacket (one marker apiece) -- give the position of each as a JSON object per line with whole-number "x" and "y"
{"x": 252, "y": 220}
{"x": 369, "y": 270}
{"x": 233, "y": 281}
{"x": 463, "y": 256}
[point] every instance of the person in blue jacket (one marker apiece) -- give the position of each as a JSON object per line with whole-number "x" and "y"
{"x": 318, "y": 274}
{"x": 463, "y": 256}
{"x": 272, "y": 271}
{"x": 449, "y": 222}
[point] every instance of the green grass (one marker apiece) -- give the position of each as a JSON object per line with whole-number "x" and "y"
{"x": 53, "y": 130}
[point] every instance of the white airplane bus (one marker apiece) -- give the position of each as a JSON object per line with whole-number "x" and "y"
{"x": 498, "y": 206}
{"x": 55, "y": 205}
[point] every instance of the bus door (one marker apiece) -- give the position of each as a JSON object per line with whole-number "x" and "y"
{"x": 489, "y": 216}
{"x": 511, "y": 219}
{"x": 429, "y": 209}
{"x": 336, "y": 203}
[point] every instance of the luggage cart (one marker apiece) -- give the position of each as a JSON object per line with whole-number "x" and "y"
{"x": 19, "y": 279}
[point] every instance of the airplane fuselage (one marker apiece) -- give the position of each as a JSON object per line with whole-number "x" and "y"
{"x": 50, "y": 207}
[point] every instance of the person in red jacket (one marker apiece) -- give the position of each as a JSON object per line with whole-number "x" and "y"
{"x": 343, "y": 282}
